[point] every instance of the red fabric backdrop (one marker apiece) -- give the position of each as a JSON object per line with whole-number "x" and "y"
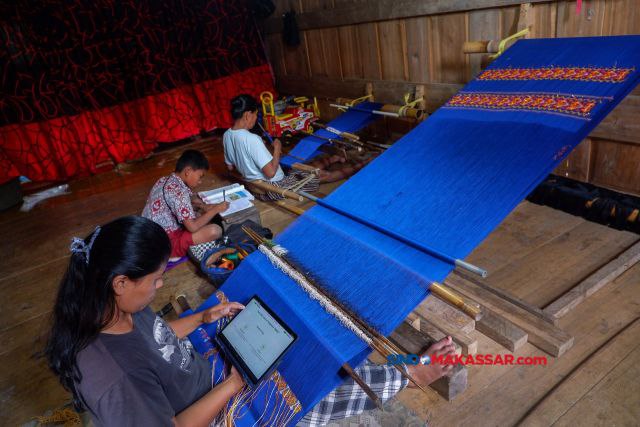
{"x": 67, "y": 105}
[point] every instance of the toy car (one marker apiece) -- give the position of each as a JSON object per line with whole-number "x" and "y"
{"x": 288, "y": 116}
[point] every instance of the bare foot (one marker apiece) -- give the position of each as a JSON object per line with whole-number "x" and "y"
{"x": 337, "y": 159}
{"x": 426, "y": 374}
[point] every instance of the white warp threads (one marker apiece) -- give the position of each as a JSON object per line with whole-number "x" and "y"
{"x": 314, "y": 294}
{"x": 279, "y": 250}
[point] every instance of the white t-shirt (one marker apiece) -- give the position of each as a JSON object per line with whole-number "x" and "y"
{"x": 247, "y": 153}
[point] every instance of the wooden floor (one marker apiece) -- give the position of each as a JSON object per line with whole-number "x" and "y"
{"x": 536, "y": 254}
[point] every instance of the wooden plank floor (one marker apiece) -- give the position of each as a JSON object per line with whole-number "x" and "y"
{"x": 536, "y": 254}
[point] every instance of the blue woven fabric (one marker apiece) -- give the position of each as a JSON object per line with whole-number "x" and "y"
{"x": 447, "y": 184}
{"x": 350, "y": 121}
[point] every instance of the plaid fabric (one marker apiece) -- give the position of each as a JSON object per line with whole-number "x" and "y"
{"x": 289, "y": 181}
{"x": 196, "y": 252}
{"x": 349, "y": 399}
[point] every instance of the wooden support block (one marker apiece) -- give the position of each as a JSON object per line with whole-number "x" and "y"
{"x": 413, "y": 320}
{"x": 414, "y": 342}
{"x": 541, "y": 333}
{"x": 468, "y": 344}
{"x": 429, "y": 319}
{"x": 410, "y": 339}
{"x": 501, "y": 330}
{"x": 436, "y": 308}
{"x": 421, "y": 94}
{"x": 453, "y": 384}
{"x": 434, "y": 334}
{"x": 605, "y": 275}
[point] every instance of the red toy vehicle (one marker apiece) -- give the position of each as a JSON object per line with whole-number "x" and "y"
{"x": 288, "y": 116}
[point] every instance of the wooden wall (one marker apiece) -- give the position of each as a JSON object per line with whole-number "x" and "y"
{"x": 395, "y": 44}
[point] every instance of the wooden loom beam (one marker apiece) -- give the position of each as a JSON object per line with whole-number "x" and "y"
{"x": 541, "y": 333}
{"x": 596, "y": 281}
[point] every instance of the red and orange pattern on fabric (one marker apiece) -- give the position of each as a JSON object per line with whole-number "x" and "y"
{"x": 563, "y": 104}
{"x": 586, "y": 74}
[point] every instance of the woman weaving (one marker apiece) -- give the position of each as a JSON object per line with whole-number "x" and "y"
{"x": 127, "y": 366}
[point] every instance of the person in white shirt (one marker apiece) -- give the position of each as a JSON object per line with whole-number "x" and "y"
{"x": 246, "y": 152}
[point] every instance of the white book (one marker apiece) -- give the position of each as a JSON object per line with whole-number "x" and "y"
{"x": 239, "y": 198}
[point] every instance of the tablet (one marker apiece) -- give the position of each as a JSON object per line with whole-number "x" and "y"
{"x": 255, "y": 340}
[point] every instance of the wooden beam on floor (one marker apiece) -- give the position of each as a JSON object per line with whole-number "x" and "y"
{"x": 536, "y": 311}
{"x": 436, "y": 308}
{"x": 541, "y": 333}
{"x": 605, "y": 275}
{"x": 501, "y": 330}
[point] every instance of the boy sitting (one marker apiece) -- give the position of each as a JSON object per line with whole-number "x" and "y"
{"x": 170, "y": 204}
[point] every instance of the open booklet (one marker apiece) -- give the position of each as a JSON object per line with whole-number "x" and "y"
{"x": 239, "y": 198}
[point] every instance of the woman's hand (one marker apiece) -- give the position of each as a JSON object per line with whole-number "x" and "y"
{"x": 235, "y": 378}
{"x": 221, "y": 310}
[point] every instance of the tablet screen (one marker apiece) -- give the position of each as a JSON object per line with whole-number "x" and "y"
{"x": 257, "y": 337}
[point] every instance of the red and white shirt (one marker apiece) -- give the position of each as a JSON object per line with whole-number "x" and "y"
{"x": 169, "y": 203}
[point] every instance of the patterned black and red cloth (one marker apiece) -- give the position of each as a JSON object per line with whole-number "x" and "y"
{"x": 84, "y": 82}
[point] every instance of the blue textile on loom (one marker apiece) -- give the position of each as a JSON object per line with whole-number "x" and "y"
{"x": 349, "y": 121}
{"x": 447, "y": 184}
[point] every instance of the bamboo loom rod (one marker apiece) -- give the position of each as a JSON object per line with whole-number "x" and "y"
{"x": 433, "y": 252}
{"x": 447, "y": 295}
{"x": 346, "y": 135}
{"x": 263, "y": 185}
{"x": 364, "y": 110}
{"x": 335, "y": 141}
{"x": 363, "y": 385}
{"x": 293, "y": 209}
{"x": 265, "y": 133}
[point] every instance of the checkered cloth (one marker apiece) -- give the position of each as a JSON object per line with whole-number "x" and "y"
{"x": 349, "y": 399}
{"x": 291, "y": 181}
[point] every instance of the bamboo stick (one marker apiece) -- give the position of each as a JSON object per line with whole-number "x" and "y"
{"x": 293, "y": 209}
{"x": 263, "y": 185}
{"x": 346, "y": 135}
{"x": 364, "y": 386}
{"x": 336, "y": 141}
{"x": 480, "y": 46}
{"x": 450, "y": 297}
